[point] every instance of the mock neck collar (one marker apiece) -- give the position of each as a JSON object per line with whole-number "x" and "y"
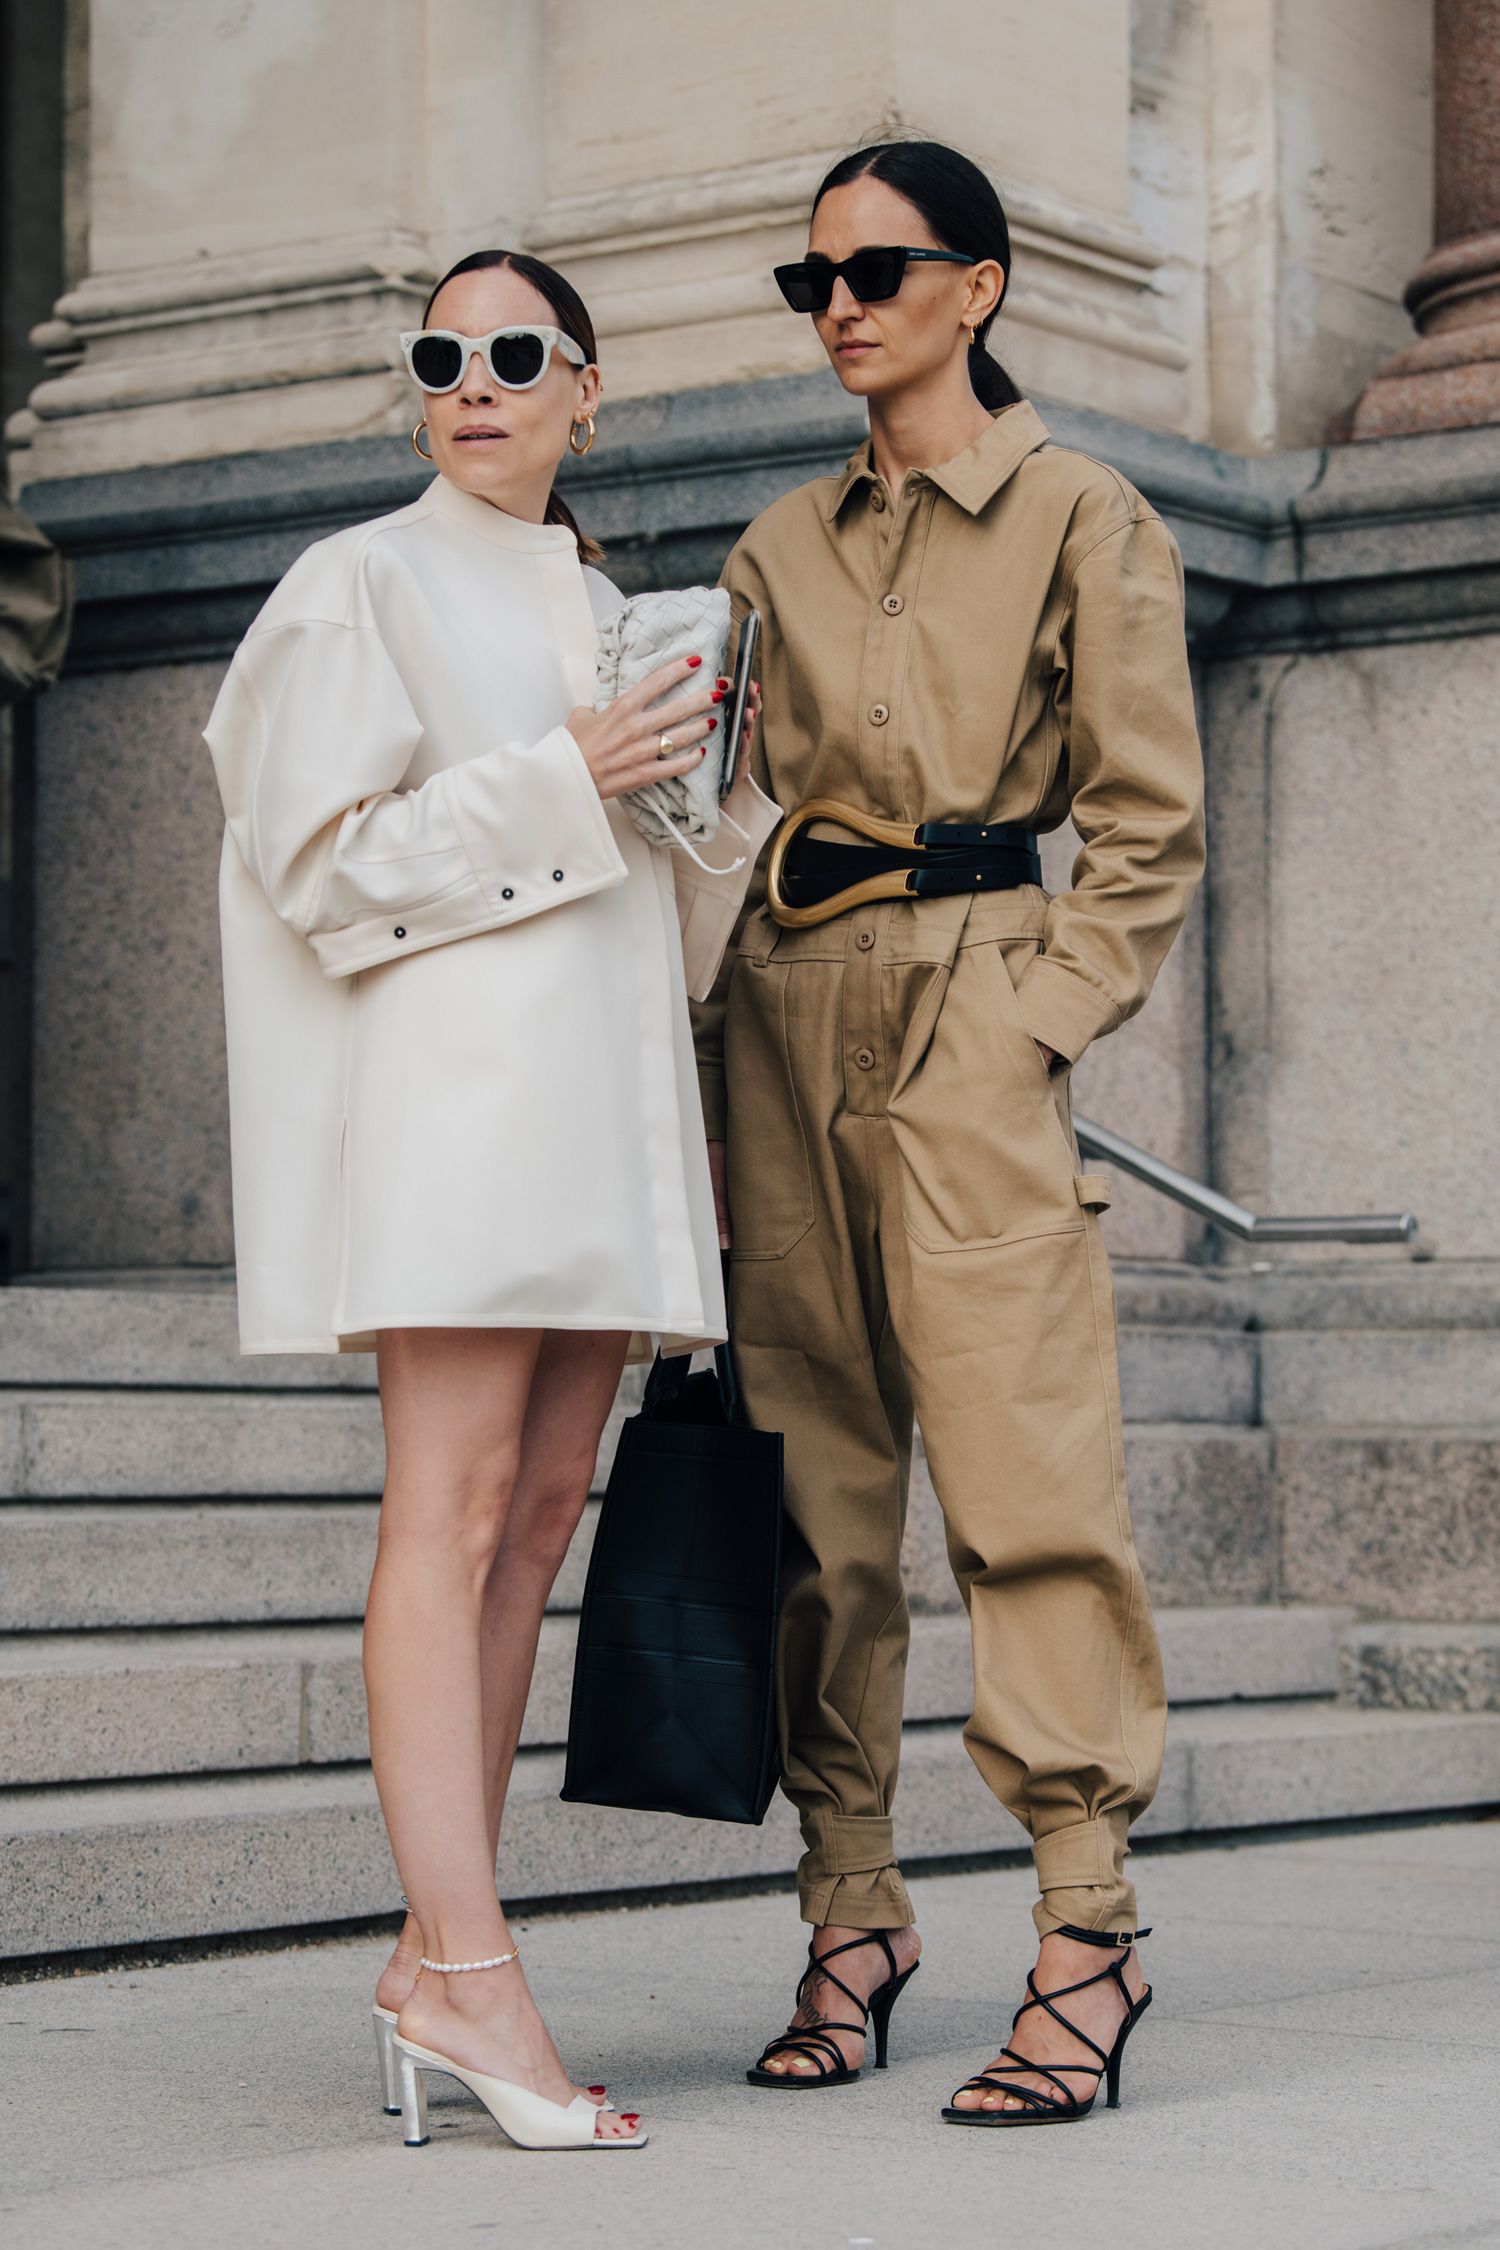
{"x": 972, "y": 477}
{"x": 471, "y": 513}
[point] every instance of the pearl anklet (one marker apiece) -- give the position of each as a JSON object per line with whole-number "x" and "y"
{"x": 461, "y": 1968}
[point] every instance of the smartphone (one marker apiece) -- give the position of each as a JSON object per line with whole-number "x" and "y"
{"x": 739, "y": 701}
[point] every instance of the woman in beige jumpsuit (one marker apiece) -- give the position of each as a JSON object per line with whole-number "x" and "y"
{"x": 969, "y": 626}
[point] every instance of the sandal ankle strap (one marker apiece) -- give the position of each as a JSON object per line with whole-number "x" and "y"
{"x": 1108, "y": 1938}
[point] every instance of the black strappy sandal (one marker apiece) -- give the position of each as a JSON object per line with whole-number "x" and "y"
{"x": 1044, "y": 2108}
{"x": 824, "y": 2050}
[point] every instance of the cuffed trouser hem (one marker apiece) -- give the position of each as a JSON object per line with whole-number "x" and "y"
{"x": 848, "y": 1873}
{"x": 1080, "y": 1873}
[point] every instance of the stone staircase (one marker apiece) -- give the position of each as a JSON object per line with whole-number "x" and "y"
{"x": 186, "y": 1538}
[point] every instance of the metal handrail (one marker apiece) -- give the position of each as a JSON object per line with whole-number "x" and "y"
{"x": 1387, "y": 1226}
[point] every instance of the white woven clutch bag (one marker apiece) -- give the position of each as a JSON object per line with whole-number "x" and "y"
{"x": 650, "y": 631}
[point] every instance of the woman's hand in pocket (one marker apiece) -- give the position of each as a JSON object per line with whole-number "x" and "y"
{"x": 622, "y": 745}
{"x": 1048, "y": 1054}
{"x": 718, "y": 1172}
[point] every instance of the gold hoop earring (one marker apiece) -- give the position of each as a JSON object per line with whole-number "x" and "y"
{"x": 416, "y": 437}
{"x": 973, "y": 335}
{"x": 573, "y": 444}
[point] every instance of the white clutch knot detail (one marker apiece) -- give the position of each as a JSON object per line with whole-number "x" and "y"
{"x": 681, "y": 810}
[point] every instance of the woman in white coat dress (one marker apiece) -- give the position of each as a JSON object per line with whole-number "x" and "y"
{"x": 464, "y": 1112}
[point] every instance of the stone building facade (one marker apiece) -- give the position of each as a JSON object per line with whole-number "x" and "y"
{"x": 1225, "y": 215}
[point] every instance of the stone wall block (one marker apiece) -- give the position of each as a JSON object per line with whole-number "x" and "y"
{"x": 130, "y": 1100}
{"x": 1402, "y": 1524}
{"x": 1200, "y": 1504}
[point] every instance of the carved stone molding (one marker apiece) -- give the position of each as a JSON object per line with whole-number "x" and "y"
{"x": 271, "y": 347}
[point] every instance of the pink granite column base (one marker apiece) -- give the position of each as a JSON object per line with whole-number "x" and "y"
{"x": 1447, "y": 382}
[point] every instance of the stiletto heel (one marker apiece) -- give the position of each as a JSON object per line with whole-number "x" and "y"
{"x": 825, "y": 2051}
{"x": 1063, "y": 2107}
{"x": 881, "y": 2004}
{"x": 385, "y": 2055}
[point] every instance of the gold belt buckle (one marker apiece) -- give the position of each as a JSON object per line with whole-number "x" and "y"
{"x": 892, "y": 884}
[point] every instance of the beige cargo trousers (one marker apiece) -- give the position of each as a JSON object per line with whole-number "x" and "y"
{"x": 912, "y": 1230}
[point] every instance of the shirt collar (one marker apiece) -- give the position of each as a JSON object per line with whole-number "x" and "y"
{"x": 971, "y": 478}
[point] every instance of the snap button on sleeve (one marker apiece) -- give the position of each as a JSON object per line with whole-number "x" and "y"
{"x": 879, "y": 713}
{"x": 507, "y": 894}
{"x": 557, "y": 875}
{"x": 864, "y": 1058}
{"x": 399, "y": 931}
{"x": 893, "y": 605}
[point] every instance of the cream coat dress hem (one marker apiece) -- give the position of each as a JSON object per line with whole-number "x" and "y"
{"x": 462, "y": 1090}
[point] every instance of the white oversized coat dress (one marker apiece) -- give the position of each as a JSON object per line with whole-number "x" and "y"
{"x": 461, "y": 1079}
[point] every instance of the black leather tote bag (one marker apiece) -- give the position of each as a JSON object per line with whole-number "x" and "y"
{"x": 674, "y": 1682}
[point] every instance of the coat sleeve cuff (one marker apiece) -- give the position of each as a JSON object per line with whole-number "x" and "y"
{"x": 535, "y": 835}
{"x": 533, "y": 824}
{"x": 1061, "y": 1009}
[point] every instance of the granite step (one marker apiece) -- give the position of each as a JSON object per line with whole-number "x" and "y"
{"x": 75, "y": 1567}
{"x": 125, "y": 1862}
{"x": 1201, "y": 1499}
{"x": 1422, "y": 1667}
{"x": 126, "y": 1705}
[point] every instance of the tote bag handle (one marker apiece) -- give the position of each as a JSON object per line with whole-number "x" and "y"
{"x": 665, "y": 1383}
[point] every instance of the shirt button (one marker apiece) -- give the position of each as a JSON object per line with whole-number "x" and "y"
{"x": 864, "y": 1058}
{"x": 877, "y": 499}
{"x": 557, "y": 875}
{"x": 507, "y": 894}
{"x": 399, "y": 931}
{"x": 893, "y": 605}
{"x": 879, "y": 713}
{"x": 864, "y": 940}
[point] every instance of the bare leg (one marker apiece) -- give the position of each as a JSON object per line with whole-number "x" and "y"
{"x": 459, "y": 1424}
{"x": 572, "y": 1390}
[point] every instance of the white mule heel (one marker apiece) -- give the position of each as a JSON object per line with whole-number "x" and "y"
{"x": 523, "y": 2117}
{"x": 385, "y": 2054}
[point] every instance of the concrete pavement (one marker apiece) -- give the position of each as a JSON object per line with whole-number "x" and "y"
{"x": 1322, "y": 2067}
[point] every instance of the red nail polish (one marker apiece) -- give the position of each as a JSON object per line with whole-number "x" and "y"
{"x": 717, "y": 695}
{"x": 722, "y": 681}
{"x": 598, "y": 2089}
{"x": 694, "y": 662}
{"x": 712, "y": 724}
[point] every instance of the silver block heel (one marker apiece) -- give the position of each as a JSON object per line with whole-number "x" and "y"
{"x": 413, "y": 2102}
{"x": 385, "y": 2055}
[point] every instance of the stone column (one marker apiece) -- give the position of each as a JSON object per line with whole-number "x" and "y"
{"x": 1450, "y": 379}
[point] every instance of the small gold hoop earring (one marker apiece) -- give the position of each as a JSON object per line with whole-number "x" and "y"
{"x": 573, "y": 444}
{"x": 416, "y": 440}
{"x": 974, "y": 337}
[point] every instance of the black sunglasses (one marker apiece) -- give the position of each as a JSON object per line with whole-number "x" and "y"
{"x": 870, "y": 276}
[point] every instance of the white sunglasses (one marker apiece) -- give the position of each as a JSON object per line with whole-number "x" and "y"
{"x": 516, "y": 357}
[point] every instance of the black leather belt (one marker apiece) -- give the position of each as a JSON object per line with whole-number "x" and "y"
{"x": 810, "y": 881}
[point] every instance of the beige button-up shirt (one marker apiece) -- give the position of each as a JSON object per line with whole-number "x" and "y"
{"x": 1002, "y": 640}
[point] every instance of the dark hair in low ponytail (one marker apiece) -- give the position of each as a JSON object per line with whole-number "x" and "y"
{"x": 572, "y": 318}
{"x": 962, "y": 212}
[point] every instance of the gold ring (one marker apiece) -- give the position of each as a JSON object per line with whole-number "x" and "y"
{"x": 664, "y": 746}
